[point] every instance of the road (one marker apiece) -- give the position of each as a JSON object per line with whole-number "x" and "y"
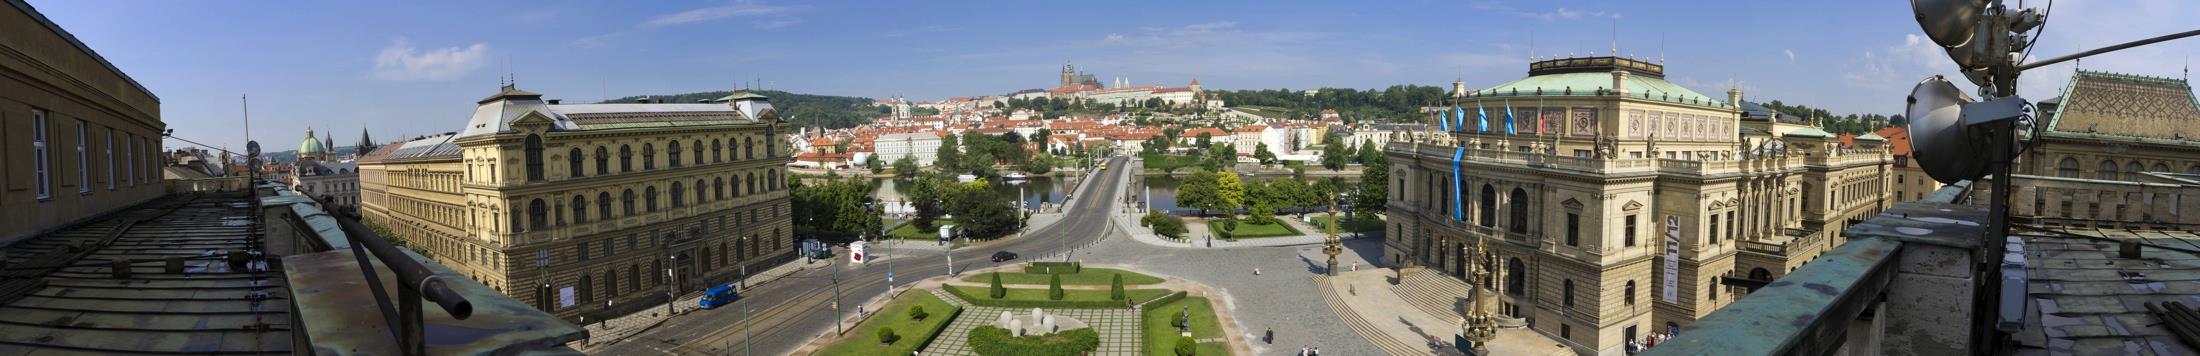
{"x": 788, "y": 313}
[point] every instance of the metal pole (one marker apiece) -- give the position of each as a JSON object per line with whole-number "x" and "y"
{"x": 2044, "y": 62}
{"x": 838, "y": 329}
{"x": 669, "y": 280}
{"x": 746, "y": 312}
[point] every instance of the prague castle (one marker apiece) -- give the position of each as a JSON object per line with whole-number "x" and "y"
{"x": 587, "y": 210}
{"x": 1617, "y": 204}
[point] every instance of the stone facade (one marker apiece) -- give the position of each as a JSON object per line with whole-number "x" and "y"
{"x": 578, "y": 208}
{"x": 78, "y": 137}
{"x": 1577, "y": 200}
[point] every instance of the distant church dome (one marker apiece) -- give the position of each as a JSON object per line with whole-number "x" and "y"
{"x": 311, "y": 146}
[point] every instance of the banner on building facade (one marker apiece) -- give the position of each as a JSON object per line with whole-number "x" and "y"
{"x": 1672, "y": 259}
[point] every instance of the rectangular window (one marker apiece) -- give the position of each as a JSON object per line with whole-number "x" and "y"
{"x": 129, "y": 159}
{"x": 1730, "y": 224}
{"x": 83, "y": 162}
{"x": 1630, "y": 232}
{"x": 39, "y": 165}
{"x": 1566, "y": 332}
{"x": 1573, "y": 229}
{"x": 1714, "y": 235}
{"x": 608, "y": 248}
{"x": 583, "y": 252}
{"x": 110, "y": 158}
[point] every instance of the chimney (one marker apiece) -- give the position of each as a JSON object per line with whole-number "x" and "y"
{"x": 1619, "y": 82}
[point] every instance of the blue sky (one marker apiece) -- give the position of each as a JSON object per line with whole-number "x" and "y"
{"x": 407, "y": 68}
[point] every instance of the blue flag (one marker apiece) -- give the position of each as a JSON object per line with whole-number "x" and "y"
{"x": 1482, "y": 117}
{"x": 1460, "y": 114}
{"x": 1508, "y": 117}
{"x": 1443, "y": 120}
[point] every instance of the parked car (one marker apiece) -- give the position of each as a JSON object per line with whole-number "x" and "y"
{"x": 1003, "y": 256}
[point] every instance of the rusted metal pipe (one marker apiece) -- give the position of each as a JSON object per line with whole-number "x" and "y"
{"x": 410, "y": 274}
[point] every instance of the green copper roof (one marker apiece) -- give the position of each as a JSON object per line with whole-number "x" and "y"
{"x": 1808, "y": 132}
{"x": 1571, "y": 84}
{"x": 1868, "y": 136}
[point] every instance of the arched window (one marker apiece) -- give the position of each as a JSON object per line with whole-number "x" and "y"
{"x": 705, "y": 257}
{"x": 718, "y": 188}
{"x": 534, "y": 158}
{"x": 573, "y": 167}
{"x": 698, "y": 144}
{"x": 1760, "y": 274}
{"x": 2068, "y": 168}
{"x": 2131, "y": 171}
{"x": 1630, "y": 293}
{"x": 587, "y": 289}
{"x": 1568, "y": 285}
{"x": 626, "y": 203}
{"x": 2108, "y": 171}
{"x": 1519, "y": 207}
{"x": 649, "y": 156}
{"x": 626, "y": 158}
{"x": 678, "y": 197}
{"x": 580, "y": 209}
{"x": 700, "y": 197}
{"x": 2160, "y": 167}
{"x": 603, "y": 160}
{"x": 649, "y": 199}
{"x": 603, "y": 206}
{"x": 1516, "y": 277}
{"x": 538, "y": 215}
{"x": 672, "y": 151}
{"x": 633, "y": 276}
{"x": 752, "y": 182}
{"x": 611, "y": 284}
{"x": 774, "y": 173}
{"x": 716, "y": 152}
{"x": 1488, "y": 217}
{"x": 771, "y": 145}
{"x": 748, "y": 147}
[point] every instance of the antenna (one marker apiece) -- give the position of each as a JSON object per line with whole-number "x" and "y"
{"x": 1615, "y": 37}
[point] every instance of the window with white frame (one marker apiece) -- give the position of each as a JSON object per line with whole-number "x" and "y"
{"x": 83, "y": 162}
{"x": 39, "y": 163}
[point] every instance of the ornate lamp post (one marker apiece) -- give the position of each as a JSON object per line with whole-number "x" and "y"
{"x": 1476, "y": 325}
{"x": 1331, "y": 245}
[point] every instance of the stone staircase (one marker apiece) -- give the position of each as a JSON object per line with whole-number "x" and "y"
{"x": 1360, "y": 325}
{"x": 1433, "y": 292}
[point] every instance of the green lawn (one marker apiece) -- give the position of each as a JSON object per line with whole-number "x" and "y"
{"x": 863, "y": 339}
{"x": 1161, "y": 337}
{"x": 1246, "y": 230}
{"x": 1350, "y": 225}
{"x": 1090, "y": 277}
{"x": 1040, "y": 294}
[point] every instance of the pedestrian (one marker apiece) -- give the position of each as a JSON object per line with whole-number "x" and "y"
{"x": 1268, "y": 336}
{"x": 1256, "y": 271}
{"x": 1303, "y": 350}
{"x": 1355, "y": 266}
{"x": 1317, "y": 352}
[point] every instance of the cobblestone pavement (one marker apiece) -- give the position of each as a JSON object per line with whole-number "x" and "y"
{"x": 1282, "y": 298}
{"x": 1119, "y": 332}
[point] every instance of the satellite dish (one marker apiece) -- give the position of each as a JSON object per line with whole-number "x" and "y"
{"x": 1939, "y": 140}
{"x": 1948, "y": 22}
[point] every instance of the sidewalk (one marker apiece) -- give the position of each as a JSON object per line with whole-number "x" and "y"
{"x": 1368, "y": 303}
{"x": 615, "y": 330}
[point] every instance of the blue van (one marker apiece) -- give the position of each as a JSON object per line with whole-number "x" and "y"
{"x": 718, "y": 296}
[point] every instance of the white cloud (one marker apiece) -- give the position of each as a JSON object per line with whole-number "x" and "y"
{"x": 402, "y": 62}
{"x": 736, "y": 9}
{"x": 1791, "y": 55}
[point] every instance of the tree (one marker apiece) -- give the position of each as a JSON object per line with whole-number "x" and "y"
{"x": 1115, "y": 289}
{"x": 1169, "y": 226}
{"x": 1229, "y": 192}
{"x": 1040, "y": 164}
{"x": 1186, "y": 347}
{"x": 980, "y": 211}
{"x": 1374, "y": 187}
{"x": 1261, "y": 153}
{"x": 1197, "y": 191}
{"x": 949, "y": 156}
{"x": 927, "y": 197}
{"x": 1054, "y": 286}
{"x": 872, "y": 163}
{"x": 1287, "y": 193}
{"x": 997, "y": 292}
{"x": 886, "y": 336}
{"x": 1368, "y": 152}
{"x": 1333, "y": 155}
{"x": 906, "y": 166}
{"x": 916, "y": 312}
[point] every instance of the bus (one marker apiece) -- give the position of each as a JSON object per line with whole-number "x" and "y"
{"x": 718, "y": 296}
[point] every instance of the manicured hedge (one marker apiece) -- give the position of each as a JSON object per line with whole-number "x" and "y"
{"x": 930, "y": 335}
{"x": 992, "y": 341}
{"x": 1042, "y": 267}
{"x": 968, "y": 294}
{"x": 1166, "y": 299}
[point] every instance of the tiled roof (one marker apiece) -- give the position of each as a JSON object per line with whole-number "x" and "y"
{"x": 1898, "y": 140}
{"x": 2090, "y": 300}
{"x": 2127, "y": 105}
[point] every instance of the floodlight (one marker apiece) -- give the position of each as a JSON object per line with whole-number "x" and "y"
{"x": 1949, "y": 23}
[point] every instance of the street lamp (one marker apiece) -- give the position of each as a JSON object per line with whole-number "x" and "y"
{"x": 838, "y": 329}
{"x": 669, "y": 280}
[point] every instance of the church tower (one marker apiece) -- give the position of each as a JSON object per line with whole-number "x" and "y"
{"x": 1069, "y": 74}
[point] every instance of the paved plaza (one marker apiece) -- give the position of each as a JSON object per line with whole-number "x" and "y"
{"x": 1118, "y": 327}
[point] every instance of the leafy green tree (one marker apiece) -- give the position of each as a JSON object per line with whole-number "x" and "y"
{"x": 1333, "y": 155}
{"x": 979, "y": 211}
{"x": 1054, "y": 286}
{"x": 1229, "y": 192}
{"x": 997, "y": 292}
{"x": 1199, "y": 191}
{"x": 1169, "y": 226}
{"x": 906, "y": 166}
{"x": 927, "y": 197}
{"x": 1040, "y": 164}
{"x": 1261, "y": 153}
{"x": 1368, "y": 152}
{"x": 872, "y": 163}
{"x": 1374, "y": 187}
{"x": 1287, "y": 193}
{"x": 1261, "y": 213}
{"x": 949, "y": 157}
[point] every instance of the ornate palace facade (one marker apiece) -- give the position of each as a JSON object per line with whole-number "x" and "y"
{"x": 580, "y": 208}
{"x": 1619, "y": 204}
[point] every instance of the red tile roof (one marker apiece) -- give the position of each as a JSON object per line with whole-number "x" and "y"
{"x": 1898, "y": 140}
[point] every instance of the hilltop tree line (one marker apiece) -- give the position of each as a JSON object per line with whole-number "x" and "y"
{"x": 1841, "y": 124}
{"x": 1398, "y": 103}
